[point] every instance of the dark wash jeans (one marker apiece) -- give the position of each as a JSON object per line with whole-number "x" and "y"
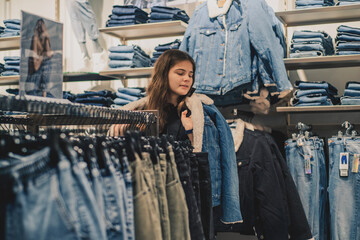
{"x": 184, "y": 170}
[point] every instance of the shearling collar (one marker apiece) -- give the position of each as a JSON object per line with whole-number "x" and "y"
{"x": 215, "y": 11}
{"x": 194, "y": 103}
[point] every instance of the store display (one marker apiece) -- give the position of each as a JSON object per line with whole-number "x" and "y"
{"x": 224, "y": 50}
{"x": 123, "y": 56}
{"x": 165, "y": 14}
{"x": 126, "y": 15}
{"x": 302, "y": 4}
{"x": 306, "y": 161}
{"x": 311, "y": 44}
{"x": 12, "y": 28}
{"x": 347, "y": 40}
{"x": 351, "y": 94}
{"x": 314, "y": 94}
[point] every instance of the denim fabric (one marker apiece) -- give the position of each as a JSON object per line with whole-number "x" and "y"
{"x": 15, "y": 63}
{"x": 353, "y": 46}
{"x": 10, "y": 34}
{"x": 351, "y": 93}
{"x": 223, "y": 59}
{"x": 311, "y": 187}
{"x": 171, "y": 45}
{"x": 102, "y": 100}
{"x": 122, "y": 102}
{"x": 222, "y": 162}
{"x": 122, "y": 23}
{"x": 307, "y": 47}
{"x": 306, "y": 54}
{"x": 131, "y": 91}
{"x": 345, "y": 3}
{"x": 83, "y": 20}
{"x": 206, "y": 213}
{"x": 127, "y": 49}
{"x": 343, "y": 191}
{"x": 327, "y": 40}
{"x": 347, "y": 37}
{"x": 168, "y": 16}
{"x": 11, "y": 30}
{"x": 103, "y": 93}
{"x": 169, "y": 10}
{"x": 13, "y": 21}
{"x": 184, "y": 170}
{"x": 347, "y": 52}
{"x": 11, "y": 58}
{"x": 353, "y": 85}
{"x": 128, "y": 63}
{"x": 316, "y": 85}
{"x": 300, "y": 93}
{"x": 127, "y": 96}
{"x": 139, "y": 17}
{"x": 232, "y": 97}
{"x": 13, "y": 26}
{"x": 127, "y": 10}
{"x": 305, "y": 3}
{"x": 123, "y": 56}
{"x": 307, "y": 40}
{"x": 350, "y": 100}
{"x": 157, "y": 54}
{"x": 38, "y": 82}
{"x": 178, "y": 210}
{"x": 12, "y": 68}
{"x": 9, "y": 73}
{"x": 322, "y": 100}
{"x": 347, "y": 30}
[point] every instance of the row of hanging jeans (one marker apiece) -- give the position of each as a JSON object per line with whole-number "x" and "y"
{"x": 347, "y": 40}
{"x": 306, "y": 161}
{"x": 101, "y": 188}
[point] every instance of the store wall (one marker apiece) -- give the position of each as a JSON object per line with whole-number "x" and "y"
{"x": 102, "y": 8}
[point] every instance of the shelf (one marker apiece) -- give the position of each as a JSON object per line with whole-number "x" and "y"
{"x": 148, "y": 30}
{"x": 334, "y": 61}
{"x": 128, "y": 73}
{"x": 322, "y": 115}
{"x": 322, "y": 15}
{"x": 9, "y": 43}
{"x": 68, "y": 77}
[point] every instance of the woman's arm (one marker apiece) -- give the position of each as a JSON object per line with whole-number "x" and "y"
{"x": 36, "y": 47}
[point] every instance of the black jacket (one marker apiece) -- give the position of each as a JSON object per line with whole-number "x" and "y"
{"x": 268, "y": 197}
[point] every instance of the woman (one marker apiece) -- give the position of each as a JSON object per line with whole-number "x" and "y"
{"x": 39, "y": 66}
{"x": 170, "y": 92}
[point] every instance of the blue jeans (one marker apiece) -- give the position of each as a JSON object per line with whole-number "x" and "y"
{"x": 327, "y": 40}
{"x": 13, "y": 21}
{"x": 346, "y": 30}
{"x": 168, "y": 16}
{"x": 306, "y": 99}
{"x": 343, "y": 191}
{"x": 13, "y": 26}
{"x": 12, "y": 58}
{"x": 353, "y": 46}
{"x": 307, "y": 40}
{"x": 127, "y": 10}
{"x": 9, "y": 34}
{"x": 114, "y": 23}
{"x": 83, "y": 20}
{"x": 351, "y": 93}
{"x": 316, "y": 85}
{"x": 171, "y": 45}
{"x": 300, "y": 93}
{"x": 312, "y": 186}
{"x": 296, "y": 47}
{"x": 350, "y": 100}
{"x": 127, "y": 96}
{"x": 12, "y": 68}
{"x": 139, "y": 17}
{"x": 122, "y": 56}
{"x": 347, "y": 52}
{"x": 38, "y": 82}
{"x": 306, "y": 54}
{"x": 128, "y": 49}
{"x": 101, "y": 100}
{"x": 86, "y": 94}
{"x": 131, "y": 91}
{"x": 353, "y": 85}
{"x": 347, "y": 37}
{"x": 135, "y": 62}
{"x": 120, "y": 101}
{"x": 13, "y": 63}
{"x": 9, "y": 73}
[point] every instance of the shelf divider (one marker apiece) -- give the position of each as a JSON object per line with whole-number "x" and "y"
{"x": 9, "y": 43}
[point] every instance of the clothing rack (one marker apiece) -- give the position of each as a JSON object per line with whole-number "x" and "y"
{"x": 56, "y": 112}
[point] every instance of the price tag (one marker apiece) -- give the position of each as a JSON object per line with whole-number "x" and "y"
{"x": 344, "y": 164}
{"x": 355, "y": 163}
{"x": 308, "y": 164}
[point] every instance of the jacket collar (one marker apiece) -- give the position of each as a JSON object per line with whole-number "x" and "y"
{"x": 215, "y": 11}
{"x": 194, "y": 103}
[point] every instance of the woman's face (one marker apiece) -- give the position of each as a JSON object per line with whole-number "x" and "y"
{"x": 181, "y": 78}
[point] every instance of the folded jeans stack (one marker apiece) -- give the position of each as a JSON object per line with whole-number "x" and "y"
{"x": 2, "y": 68}
{"x": 123, "y": 56}
{"x": 2, "y": 29}
{"x": 314, "y": 94}
{"x": 351, "y": 94}
{"x": 127, "y": 95}
{"x": 165, "y": 14}
{"x": 100, "y": 98}
{"x": 12, "y": 28}
{"x": 126, "y": 15}
{"x": 311, "y": 44}
{"x": 347, "y": 40}
{"x": 302, "y": 4}
{"x": 161, "y": 48}
{"x": 347, "y": 2}
{"x": 12, "y": 66}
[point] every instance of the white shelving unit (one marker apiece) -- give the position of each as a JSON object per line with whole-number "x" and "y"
{"x": 324, "y": 115}
{"x": 141, "y": 31}
{"x": 9, "y": 43}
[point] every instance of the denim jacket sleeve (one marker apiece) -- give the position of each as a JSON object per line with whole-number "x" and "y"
{"x": 266, "y": 44}
{"x": 230, "y": 202}
{"x": 186, "y": 42}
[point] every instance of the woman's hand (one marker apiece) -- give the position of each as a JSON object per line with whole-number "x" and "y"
{"x": 186, "y": 121}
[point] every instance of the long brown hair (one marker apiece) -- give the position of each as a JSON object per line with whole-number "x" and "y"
{"x": 158, "y": 89}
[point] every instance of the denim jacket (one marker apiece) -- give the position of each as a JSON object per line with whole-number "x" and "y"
{"x": 220, "y": 41}
{"x": 212, "y": 134}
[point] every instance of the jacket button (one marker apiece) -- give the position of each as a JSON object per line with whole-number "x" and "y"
{"x": 239, "y": 164}
{"x": 207, "y": 32}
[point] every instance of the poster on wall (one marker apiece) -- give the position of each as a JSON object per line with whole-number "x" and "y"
{"x": 41, "y": 70}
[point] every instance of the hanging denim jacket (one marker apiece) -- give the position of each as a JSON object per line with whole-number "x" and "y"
{"x": 220, "y": 42}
